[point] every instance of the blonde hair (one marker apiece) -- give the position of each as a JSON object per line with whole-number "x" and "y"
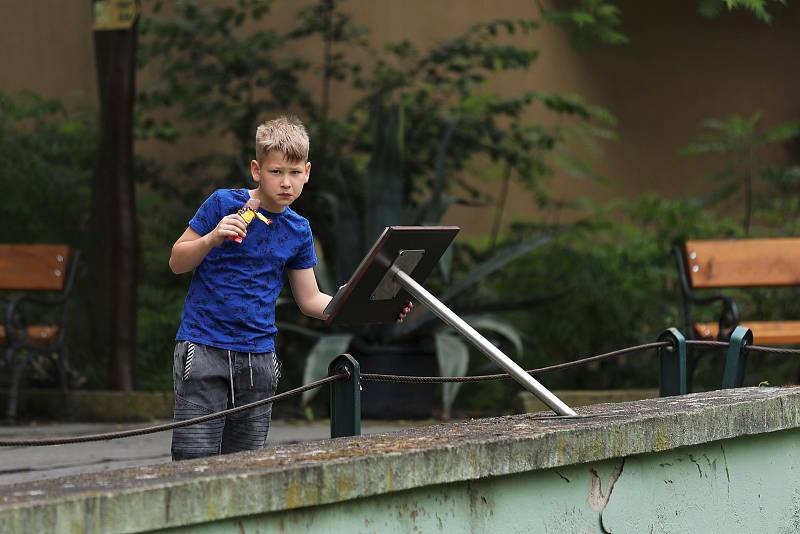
{"x": 285, "y": 134}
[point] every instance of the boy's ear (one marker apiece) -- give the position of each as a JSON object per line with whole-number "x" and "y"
{"x": 255, "y": 171}
{"x": 308, "y": 170}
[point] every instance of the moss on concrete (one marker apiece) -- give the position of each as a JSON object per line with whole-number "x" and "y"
{"x": 314, "y": 473}
{"x": 527, "y": 402}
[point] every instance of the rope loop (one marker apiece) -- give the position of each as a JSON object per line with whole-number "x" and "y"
{"x": 503, "y": 376}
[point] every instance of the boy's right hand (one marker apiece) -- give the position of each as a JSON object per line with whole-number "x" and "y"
{"x": 228, "y": 227}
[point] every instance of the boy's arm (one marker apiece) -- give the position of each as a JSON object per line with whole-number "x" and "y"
{"x": 191, "y": 247}
{"x": 309, "y": 298}
{"x": 312, "y": 301}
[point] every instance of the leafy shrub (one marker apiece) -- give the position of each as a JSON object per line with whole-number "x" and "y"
{"x": 46, "y": 158}
{"x": 622, "y": 290}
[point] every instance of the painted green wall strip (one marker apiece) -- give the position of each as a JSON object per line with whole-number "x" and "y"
{"x": 749, "y": 484}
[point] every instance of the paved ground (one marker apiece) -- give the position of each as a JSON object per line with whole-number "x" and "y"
{"x": 22, "y": 464}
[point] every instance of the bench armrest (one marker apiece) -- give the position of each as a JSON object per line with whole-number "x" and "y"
{"x": 704, "y": 301}
{"x": 15, "y": 322}
{"x": 729, "y": 316}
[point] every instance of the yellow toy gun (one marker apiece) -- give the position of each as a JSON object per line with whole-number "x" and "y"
{"x": 249, "y": 212}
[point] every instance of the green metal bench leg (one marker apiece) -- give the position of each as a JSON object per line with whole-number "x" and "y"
{"x": 736, "y": 358}
{"x": 345, "y": 398}
{"x": 62, "y": 363}
{"x": 17, "y": 370}
{"x": 673, "y": 363}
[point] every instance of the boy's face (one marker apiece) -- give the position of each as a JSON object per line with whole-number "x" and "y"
{"x": 279, "y": 181}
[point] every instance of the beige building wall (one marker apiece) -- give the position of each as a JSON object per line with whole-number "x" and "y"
{"x": 679, "y": 69}
{"x": 46, "y": 46}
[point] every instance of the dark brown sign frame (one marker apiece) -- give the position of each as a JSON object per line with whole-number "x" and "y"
{"x": 357, "y": 302}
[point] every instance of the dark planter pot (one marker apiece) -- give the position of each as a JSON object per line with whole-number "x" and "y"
{"x": 397, "y": 400}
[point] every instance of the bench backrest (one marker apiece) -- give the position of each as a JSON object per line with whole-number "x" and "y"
{"x": 33, "y": 267}
{"x": 743, "y": 262}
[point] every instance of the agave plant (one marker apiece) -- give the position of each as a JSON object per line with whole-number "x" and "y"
{"x": 386, "y": 205}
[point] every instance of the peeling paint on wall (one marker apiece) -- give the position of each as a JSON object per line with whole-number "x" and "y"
{"x": 717, "y": 487}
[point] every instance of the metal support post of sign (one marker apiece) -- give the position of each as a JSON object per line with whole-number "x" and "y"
{"x": 673, "y": 363}
{"x": 736, "y": 358}
{"x": 345, "y": 397}
{"x": 480, "y": 342}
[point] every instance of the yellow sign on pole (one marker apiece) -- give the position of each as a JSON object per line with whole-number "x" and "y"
{"x": 114, "y": 14}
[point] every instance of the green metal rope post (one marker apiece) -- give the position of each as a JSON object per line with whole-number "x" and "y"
{"x": 736, "y": 358}
{"x": 673, "y": 363}
{"x": 345, "y": 397}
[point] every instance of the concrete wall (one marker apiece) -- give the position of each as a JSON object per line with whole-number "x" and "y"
{"x": 747, "y": 484}
{"x": 719, "y": 461}
{"x": 679, "y": 69}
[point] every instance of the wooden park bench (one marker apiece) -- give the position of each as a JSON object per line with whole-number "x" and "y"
{"x": 736, "y": 263}
{"x": 36, "y": 281}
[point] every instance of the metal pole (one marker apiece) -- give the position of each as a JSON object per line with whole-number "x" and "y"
{"x": 345, "y": 403}
{"x": 673, "y": 364}
{"x": 736, "y": 358}
{"x": 483, "y": 344}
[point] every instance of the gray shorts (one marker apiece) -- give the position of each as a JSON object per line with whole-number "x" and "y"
{"x": 207, "y": 380}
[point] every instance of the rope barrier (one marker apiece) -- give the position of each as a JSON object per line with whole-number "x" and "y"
{"x": 752, "y": 348}
{"x": 772, "y": 350}
{"x": 483, "y": 378}
{"x": 170, "y": 426}
{"x": 377, "y": 377}
{"x": 707, "y": 343}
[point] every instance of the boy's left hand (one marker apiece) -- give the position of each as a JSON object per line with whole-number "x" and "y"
{"x": 405, "y": 312}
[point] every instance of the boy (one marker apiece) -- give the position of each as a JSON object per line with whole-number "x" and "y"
{"x": 224, "y": 354}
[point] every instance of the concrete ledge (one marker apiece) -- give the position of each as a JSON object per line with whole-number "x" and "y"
{"x": 309, "y": 474}
{"x": 527, "y": 402}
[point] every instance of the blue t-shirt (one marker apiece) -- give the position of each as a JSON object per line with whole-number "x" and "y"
{"x": 231, "y": 299}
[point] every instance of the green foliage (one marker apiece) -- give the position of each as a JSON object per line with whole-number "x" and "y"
{"x": 420, "y": 121}
{"x": 589, "y": 20}
{"x": 46, "y": 160}
{"x": 713, "y": 8}
{"x": 46, "y": 157}
{"x": 739, "y": 140}
{"x": 600, "y": 20}
{"x": 216, "y": 75}
{"x": 160, "y": 294}
{"x": 437, "y": 103}
{"x": 621, "y": 288}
